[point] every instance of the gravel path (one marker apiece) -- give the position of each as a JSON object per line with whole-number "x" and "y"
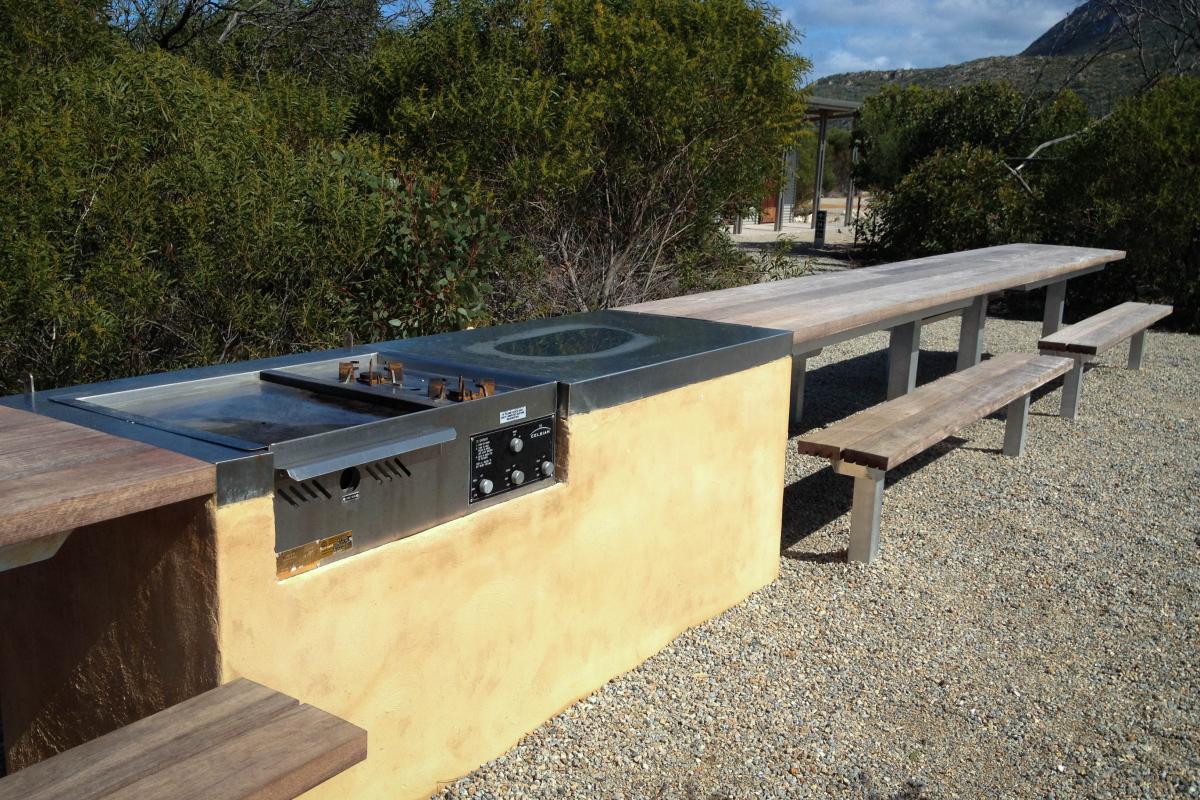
{"x": 1032, "y": 628}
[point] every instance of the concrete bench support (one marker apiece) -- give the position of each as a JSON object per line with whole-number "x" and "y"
{"x": 1056, "y": 303}
{"x": 1016, "y": 417}
{"x": 799, "y": 373}
{"x": 1136, "y": 345}
{"x": 903, "y": 354}
{"x": 970, "y": 338}
{"x": 1072, "y": 390}
{"x": 866, "y": 511}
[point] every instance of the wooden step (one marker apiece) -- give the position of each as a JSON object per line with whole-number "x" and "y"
{"x": 241, "y": 740}
{"x": 1100, "y": 333}
{"x": 887, "y": 435}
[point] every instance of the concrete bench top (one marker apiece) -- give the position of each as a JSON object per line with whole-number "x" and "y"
{"x": 1105, "y": 330}
{"x": 55, "y": 476}
{"x": 818, "y": 308}
{"x": 238, "y": 741}
{"x": 887, "y": 435}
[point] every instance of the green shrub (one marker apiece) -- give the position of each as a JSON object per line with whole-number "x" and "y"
{"x": 953, "y": 200}
{"x": 1126, "y": 182}
{"x": 1132, "y": 183}
{"x": 614, "y": 134}
{"x": 901, "y": 127}
{"x": 154, "y": 217}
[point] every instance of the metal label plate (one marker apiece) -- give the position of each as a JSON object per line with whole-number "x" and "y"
{"x": 299, "y": 560}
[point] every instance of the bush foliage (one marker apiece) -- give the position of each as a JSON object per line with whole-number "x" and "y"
{"x": 174, "y": 196}
{"x": 614, "y": 134}
{"x": 1128, "y": 181}
{"x": 153, "y": 216}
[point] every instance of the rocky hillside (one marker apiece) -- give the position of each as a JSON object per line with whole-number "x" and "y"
{"x": 1045, "y": 64}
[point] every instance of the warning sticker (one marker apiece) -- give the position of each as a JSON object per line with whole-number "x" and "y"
{"x": 512, "y": 415}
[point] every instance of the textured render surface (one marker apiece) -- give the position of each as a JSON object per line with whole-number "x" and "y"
{"x": 449, "y": 645}
{"x": 120, "y": 624}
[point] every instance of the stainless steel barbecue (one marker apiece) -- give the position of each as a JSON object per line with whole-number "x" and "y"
{"x": 363, "y": 446}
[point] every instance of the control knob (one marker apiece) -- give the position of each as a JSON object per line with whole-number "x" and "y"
{"x": 547, "y": 468}
{"x": 518, "y": 477}
{"x": 485, "y": 486}
{"x": 516, "y": 445}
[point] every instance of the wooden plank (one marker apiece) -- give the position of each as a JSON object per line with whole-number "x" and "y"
{"x": 108, "y": 763}
{"x": 284, "y": 758}
{"x": 887, "y": 435}
{"x": 59, "y": 476}
{"x": 1102, "y": 332}
{"x": 893, "y": 446}
{"x": 819, "y": 306}
{"x": 832, "y": 441}
{"x": 240, "y": 740}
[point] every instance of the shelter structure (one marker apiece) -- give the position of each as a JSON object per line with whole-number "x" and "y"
{"x": 821, "y": 110}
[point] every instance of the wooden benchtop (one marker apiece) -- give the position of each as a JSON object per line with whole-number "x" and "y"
{"x": 241, "y": 740}
{"x": 817, "y": 306}
{"x": 55, "y": 476}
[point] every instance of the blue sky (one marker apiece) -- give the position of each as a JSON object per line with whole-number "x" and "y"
{"x": 848, "y": 36}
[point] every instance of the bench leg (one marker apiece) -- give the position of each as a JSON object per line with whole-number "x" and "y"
{"x": 864, "y": 516}
{"x": 1072, "y": 389}
{"x": 903, "y": 352}
{"x": 799, "y": 371}
{"x": 1136, "y": 345}
{"x": 1015, "y": 419}
{"x": 970, "y": 337}
{"x": 1056, "y": 302}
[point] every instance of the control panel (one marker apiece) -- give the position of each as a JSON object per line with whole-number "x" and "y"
{"x": 509, "y": 458}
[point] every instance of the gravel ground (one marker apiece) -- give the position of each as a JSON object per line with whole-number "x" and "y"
{"x": 1032, "y": 628}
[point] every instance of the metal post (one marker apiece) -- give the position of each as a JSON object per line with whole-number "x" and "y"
{"x": 1015, "y": 419}
{"x": 1072, "y": 391}
{"x": 1056, "y": 301}
{"x": 850, "y": 179}
{"x": 822, "y": 130}
{"x": 799, "y": 370}
{"x": 737, "y": 223}
{"x": 970, "y": 336}
{"x": 1136, "y": 345}
{"x": 864, "y": 516}
{"x": 903, "y": 353}
{"x": 779, "y": 194}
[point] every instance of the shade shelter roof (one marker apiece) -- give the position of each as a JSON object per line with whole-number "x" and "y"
{"x": 831, "y": 108}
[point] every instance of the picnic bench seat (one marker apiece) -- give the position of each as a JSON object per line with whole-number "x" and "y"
{"x": 241, "y": 740}
{"x": 868, "y": 444}
{"x": 1096, "y": 335}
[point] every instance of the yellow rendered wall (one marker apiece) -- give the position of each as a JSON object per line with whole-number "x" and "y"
{"x": 449, "y": 645}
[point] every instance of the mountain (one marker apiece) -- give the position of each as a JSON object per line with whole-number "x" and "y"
{"x": 1079, "y": 33}
{"x": 1045, "y": 64}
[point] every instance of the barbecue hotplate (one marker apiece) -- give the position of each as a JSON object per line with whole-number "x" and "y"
{"x": 255, "y": 410}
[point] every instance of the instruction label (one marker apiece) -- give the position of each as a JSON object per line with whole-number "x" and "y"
{"x": 512, "y": 415}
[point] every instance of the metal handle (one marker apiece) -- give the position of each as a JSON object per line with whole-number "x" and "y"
{"x": 322, "y": 466}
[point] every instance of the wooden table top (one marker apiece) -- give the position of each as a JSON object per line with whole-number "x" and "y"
{"x": 55, "y": 476}
{"x": 816, "y": 307}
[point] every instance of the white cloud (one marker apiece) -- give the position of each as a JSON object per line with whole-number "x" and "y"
{"x": 891, "y": 34}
